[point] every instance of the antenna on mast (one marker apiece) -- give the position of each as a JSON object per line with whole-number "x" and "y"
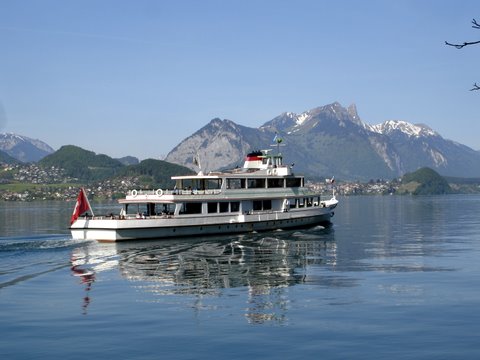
{"x": 277, "y": 141}
{"x": 277, "y": 159}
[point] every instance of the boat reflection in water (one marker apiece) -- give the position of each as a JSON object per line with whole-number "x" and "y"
{"x": 264, "y": 263}
{"x": 80, "y": 268}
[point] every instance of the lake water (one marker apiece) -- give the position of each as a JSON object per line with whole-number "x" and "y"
{"x": 395, "y": 277}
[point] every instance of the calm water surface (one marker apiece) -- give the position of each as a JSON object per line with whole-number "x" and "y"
{"x": 395, "y": 277}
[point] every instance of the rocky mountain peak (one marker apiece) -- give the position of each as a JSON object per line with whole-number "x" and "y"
{"x": 291, "y": 122}
{"x": 218, "y": 144}
{"x": 217, "y": 123}
{"x": 24, "y": 148}
{"x": 336, "y": 110}
{"x": 344, "y": 117}
{"x": 391, "y": 127}
{"x": 352, "y": 111}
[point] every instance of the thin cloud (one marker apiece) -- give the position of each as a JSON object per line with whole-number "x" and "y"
{"x": 75, "y": 34}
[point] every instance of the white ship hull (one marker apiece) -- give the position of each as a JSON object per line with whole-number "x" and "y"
{"x": 158, "y": 228}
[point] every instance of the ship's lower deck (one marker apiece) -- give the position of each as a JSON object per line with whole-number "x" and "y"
{"x": 108, "y": 230}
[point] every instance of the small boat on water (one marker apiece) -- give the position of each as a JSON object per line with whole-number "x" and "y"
{"x": 262, "y": 195}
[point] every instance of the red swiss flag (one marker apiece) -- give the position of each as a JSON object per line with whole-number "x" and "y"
{"x": 81, "y": 206}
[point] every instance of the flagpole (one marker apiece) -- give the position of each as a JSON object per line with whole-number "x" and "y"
{"x": 196, "y": 161}
{"x": 199, "y": 162}
{"x": 88, "y": 202}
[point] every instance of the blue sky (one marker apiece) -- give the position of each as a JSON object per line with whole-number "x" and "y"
{"x": 137, "y": 77}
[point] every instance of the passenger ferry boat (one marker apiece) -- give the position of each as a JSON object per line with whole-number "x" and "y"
{"x": 262, "y": 195}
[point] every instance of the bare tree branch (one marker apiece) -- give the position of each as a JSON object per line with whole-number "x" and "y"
{"x": 459, "y": 46}
{"x": 475, "y": 24}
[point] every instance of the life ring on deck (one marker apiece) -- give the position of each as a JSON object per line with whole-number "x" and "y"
{"x": 274, "y": 171}
{"x": 269, "y": 172}
{"x": 159, "y": 192}
{"x": 134, "y": 193}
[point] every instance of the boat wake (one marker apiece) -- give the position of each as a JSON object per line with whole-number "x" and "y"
{"x": 37, "y": 242}
{"x": 26, "y": 258}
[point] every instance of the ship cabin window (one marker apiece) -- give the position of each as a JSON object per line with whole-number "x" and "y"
{"x": 212, "y": 207}
{"x": 235, "y": 206}
{"x": 300, "y": 203}
{"x": 223, "y": 207}
{"x": 149, "y": 209}
{"x": 191, "y": 208}
{"x": 256, "y": 183}
{"x": 165, "y": 209}
{"x": 294, "y": 182}
{"x": 259, "y": 205}
{"x": 136, "y": 209}
{"x": 275, "y": 183}
{"x": 215, "y": 184}
{"x": 267, "y": 204}
{"x": 235, "y": 183}
{"x": 199, "y": 184}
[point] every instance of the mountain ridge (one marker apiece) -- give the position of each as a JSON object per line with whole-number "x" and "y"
{"x": 332, "y": 139}
{"x": 326, "y": 140}
{"x": 24, "y": 148}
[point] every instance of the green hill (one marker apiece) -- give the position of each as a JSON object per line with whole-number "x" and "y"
{"x": 89, "y": 167}
{"x": 7, "y": 159}
{"x": 82, "y": 164}
{"x": 155, "y": 173}
{"x": 424, "y": 181}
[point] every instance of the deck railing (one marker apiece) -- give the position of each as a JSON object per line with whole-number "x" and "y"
{"x": 161, "y": 192}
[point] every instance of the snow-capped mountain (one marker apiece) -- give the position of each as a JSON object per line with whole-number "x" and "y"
{"x": 418, "y": 144}
{"x": 330, "y": 140}
{"x": 24, "y": 148}
{"x": 397, "y": 126}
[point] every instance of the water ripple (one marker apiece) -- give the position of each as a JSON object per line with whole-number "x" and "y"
{"x": 25, "y": 258}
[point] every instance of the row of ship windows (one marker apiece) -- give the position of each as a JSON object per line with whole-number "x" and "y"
{"x": 257, "y": 205}
{"x": 151, "y": 209}
{"x": 262, "y": 183}
{"x": 223, "y": 207}
{"x": 233, "y": 183}
{"x": 252, "y": 225}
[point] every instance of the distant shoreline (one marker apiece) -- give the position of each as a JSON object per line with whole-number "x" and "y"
{"x": 26, "y": 192}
